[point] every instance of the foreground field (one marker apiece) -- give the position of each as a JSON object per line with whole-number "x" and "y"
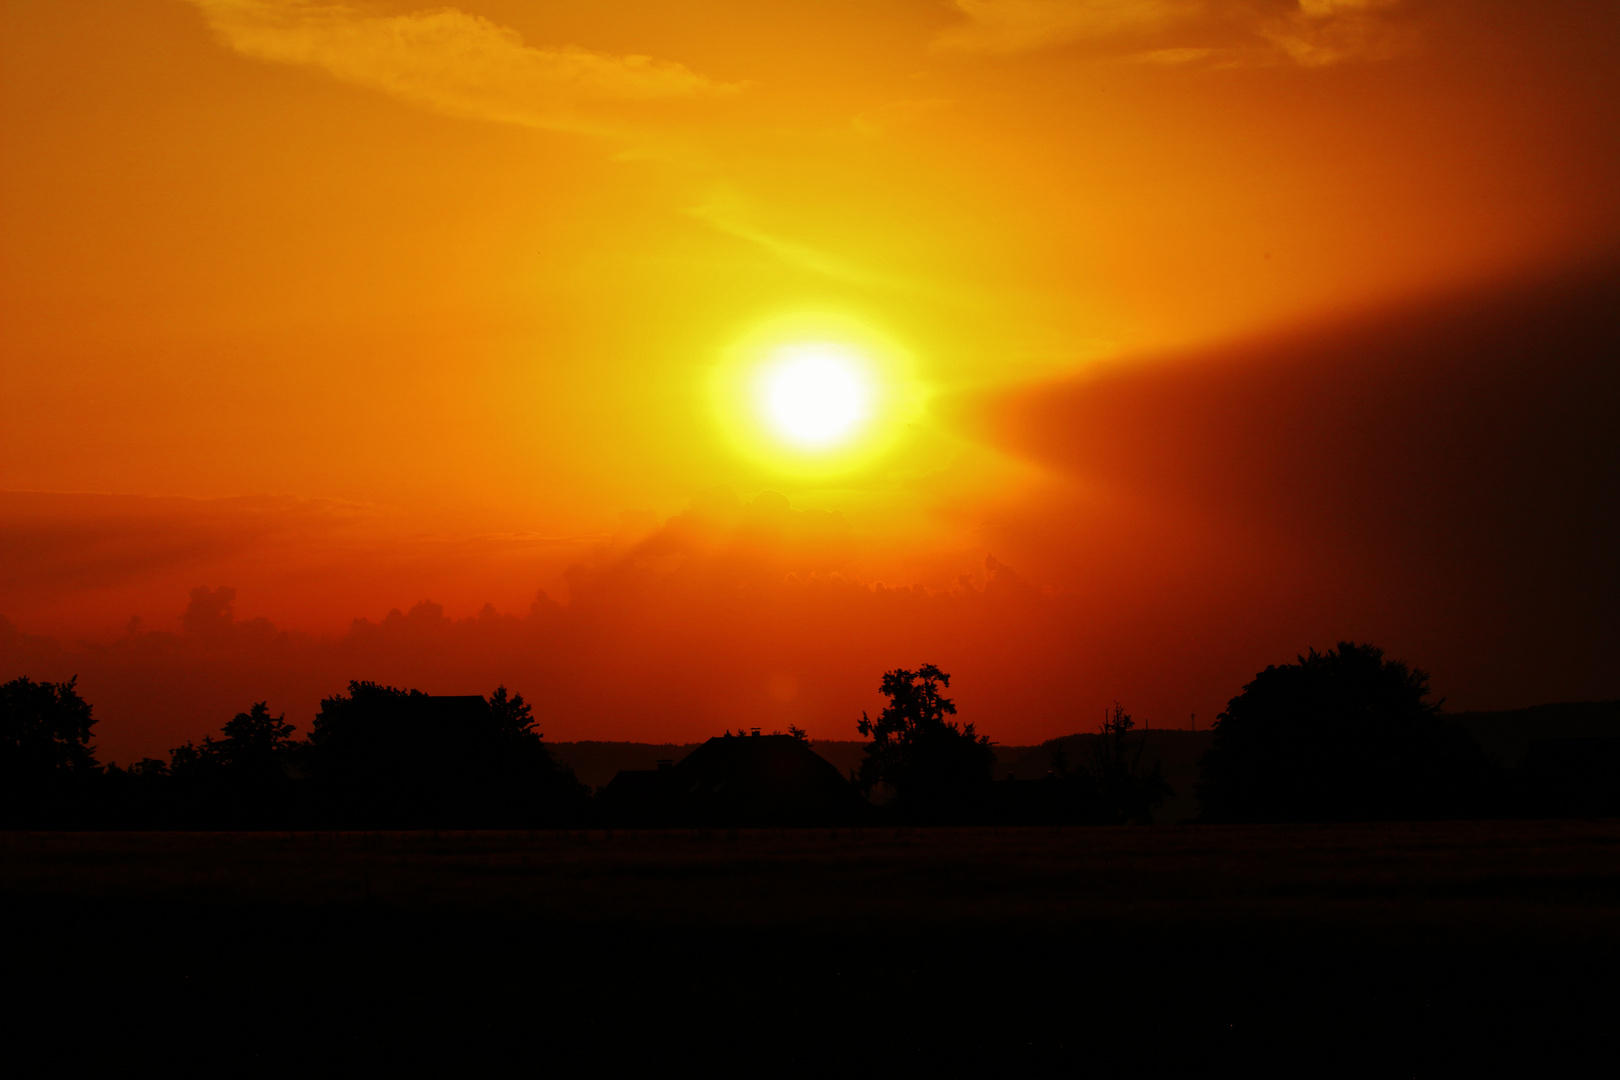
{"x": 1390, "y": 948}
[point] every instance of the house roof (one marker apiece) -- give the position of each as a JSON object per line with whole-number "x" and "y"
{"x": 739, "y": 779}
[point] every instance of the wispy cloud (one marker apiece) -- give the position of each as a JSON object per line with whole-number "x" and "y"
{"x": 1183, "y": 55}
{"x": 728, "y": 211}
{"x": 464, "y": 65}
{"x": 1323, "y": 32}
{"x": 1008, "y": 26}
{"x": 1311, "y": 33}
{"x": 451, "y": 61}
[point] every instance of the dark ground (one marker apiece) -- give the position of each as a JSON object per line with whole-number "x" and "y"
{"x": 1405, "y": 950}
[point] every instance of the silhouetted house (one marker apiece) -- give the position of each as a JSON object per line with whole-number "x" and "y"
{"x": 638, "y": 789}
{"x": 736, "y": 780}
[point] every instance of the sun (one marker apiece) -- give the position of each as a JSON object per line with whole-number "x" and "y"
{"x": 814, "y": 394}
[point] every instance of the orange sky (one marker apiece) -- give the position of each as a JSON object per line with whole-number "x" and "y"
{"x": 351, "y": 307}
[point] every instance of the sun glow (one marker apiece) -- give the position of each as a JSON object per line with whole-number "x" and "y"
{"x": 814, "y": 394}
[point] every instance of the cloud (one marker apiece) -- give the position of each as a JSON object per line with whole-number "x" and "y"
{"x": 722, "y": 537}
{"x": 57, "y": 543}
{"x": 1324, "y": 32}
{"x": 728, "y": 211}
{"x": 1008, "y": 26}
{"x": 83, "y": 563}
{"x": 677, "y": 631}
{"x": 1450, "y": 464}
{"x": 1171, "y": 57}
{"x": 464, "y": 65}
{"x": 451, "y": 61}
{"x": 1310, "y": 33}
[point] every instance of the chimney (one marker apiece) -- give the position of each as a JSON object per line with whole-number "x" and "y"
{"x": 753, "y": 731}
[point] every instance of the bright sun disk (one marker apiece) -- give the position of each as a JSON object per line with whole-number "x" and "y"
{"x": 815, "y": 396}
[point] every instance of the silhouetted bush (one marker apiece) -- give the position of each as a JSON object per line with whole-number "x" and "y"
{"x": 1340, "y": 736}
{"x": 937, "y": 770}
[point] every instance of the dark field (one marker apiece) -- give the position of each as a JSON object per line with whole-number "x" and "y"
{"x": 1375, "y": 949}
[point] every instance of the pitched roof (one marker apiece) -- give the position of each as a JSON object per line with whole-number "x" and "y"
{"x": 738, "y": 779}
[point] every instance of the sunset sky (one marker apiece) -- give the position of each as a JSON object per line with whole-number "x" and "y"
{"x": 1119, "y": 347}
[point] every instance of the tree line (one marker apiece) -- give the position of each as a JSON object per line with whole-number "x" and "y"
{"x": 1342, "y": 735}
{"x": 375, "y": 757}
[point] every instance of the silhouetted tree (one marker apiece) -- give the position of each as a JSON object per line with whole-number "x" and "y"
{"x": 47, "y": 768}
{"x": 523, "y": 782}
{"x": 240, "y": 780}
{"x": 44, "y": 729}
{"x": 1340, "y": 735}
{"x": 385, "y": 757}
{"x": 938, "y": 770}
{"x": 1109, "y": 784}
{"x": 254, "y": 744}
